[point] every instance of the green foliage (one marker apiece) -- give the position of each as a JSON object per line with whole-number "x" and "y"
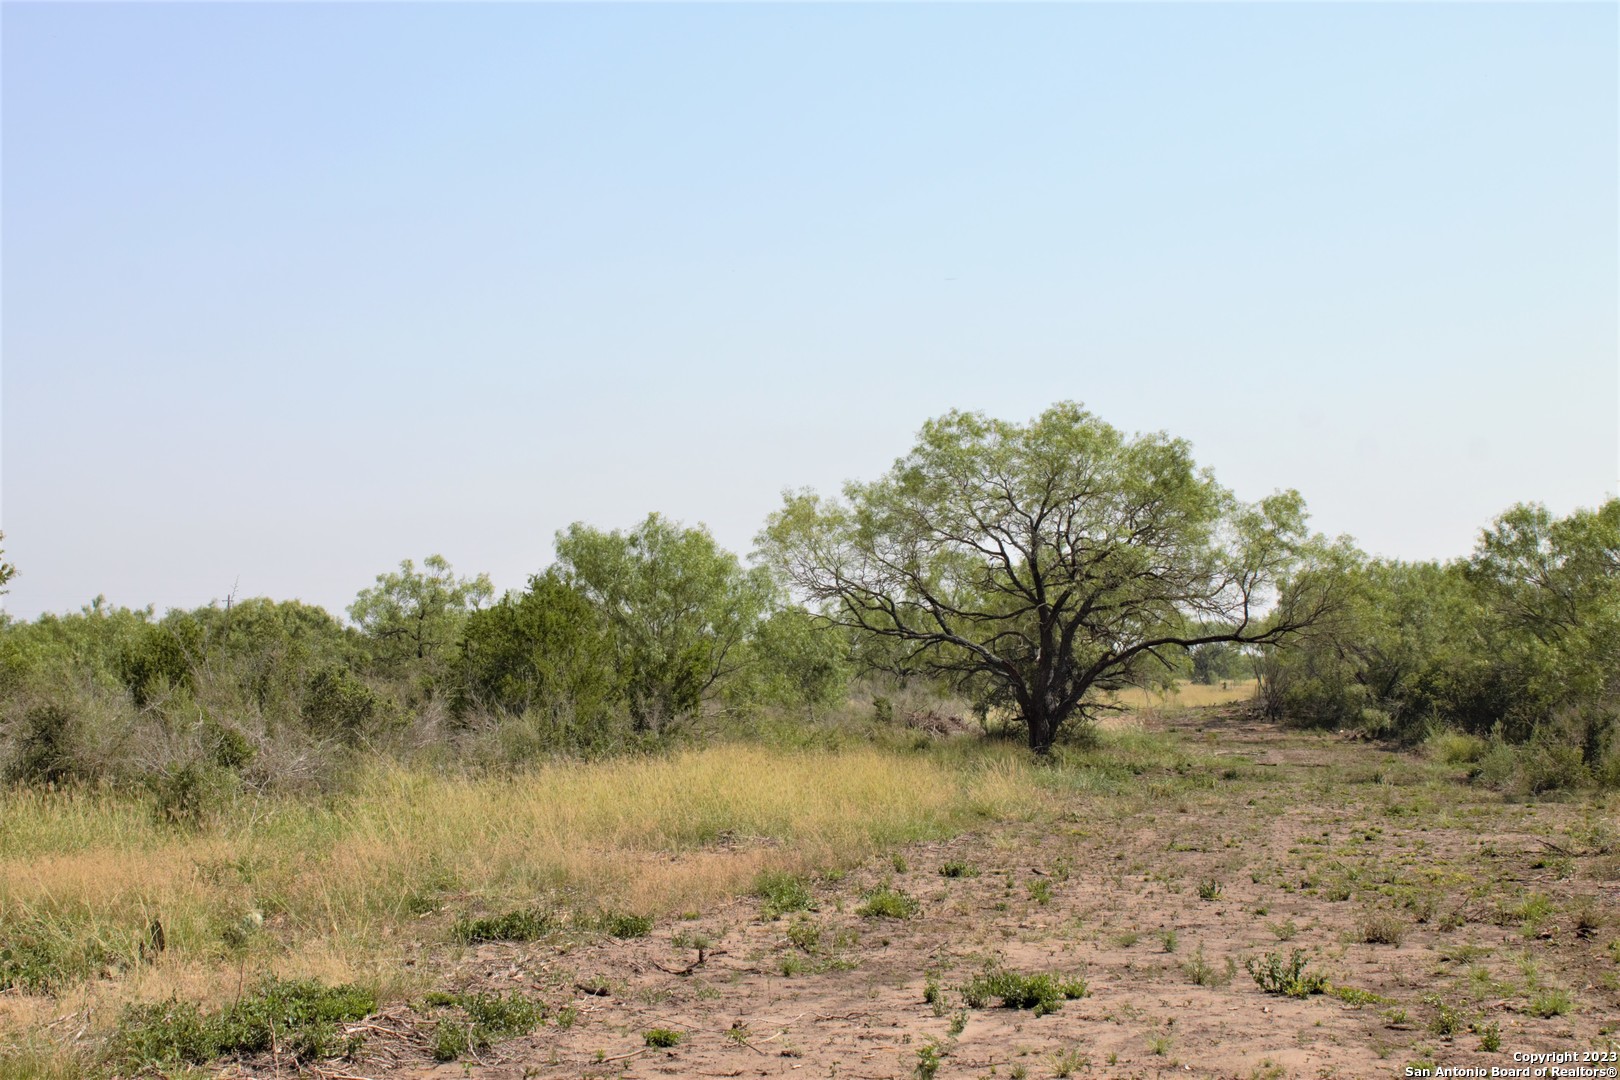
{"x": 524, "y": 924}
{"x": 887, "y": 902}
{"x": 413, "y": 618}
{"x": 958, "y": 869}
{"x": 619, "y": 924}
{"x": 1503, "y": 660}
{"x": 189, "y": 793}
{"x": 39, "y": 956}
{"x": 679, "y": 608}
{"x": 662, "y": 1038}
{"x": 488, "y": 1019}
{"x": 782, "y": 893}
{"x": 1040, "y": 564}
{"x": 299, "y": 1018}
{"x": 793, "y": 659}
{"x": 1043, "y": 993}
{"x": 338, "y": 705}
{"x": 1287, "y": 978}
{"x": 546, "y": 649}
{"x": 45, "y": 747}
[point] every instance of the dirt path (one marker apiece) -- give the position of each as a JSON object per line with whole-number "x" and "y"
{"x": 1439, "y": 913}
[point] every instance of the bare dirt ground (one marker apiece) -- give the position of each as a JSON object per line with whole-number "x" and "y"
{"x": 1444, "y": 917}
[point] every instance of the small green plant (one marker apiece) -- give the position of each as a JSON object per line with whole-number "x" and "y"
{"x": 487, "y": 1018}
{"x": 1040, "y": 891}
{"x": 619, "y": 924}
{"x": 782, "y": 893}
{"x": 299, "y": 1018}
{"x": 1209, "y": 889}
{"x": 1068, "y": 1062}
{"x": 1447, "y": 1019}
{"x": 930, "y": 1056}
{"x": 1383, "y": 930}
{"x": 1357, "y": 997}
{"x": 1168, "y": 939}
{"x": 1287, "y": 978}
{"x": 662, "y": 1038}
{"x": 1202, "y": 973}
{"x": 1286, "y": 930}
{"x": 931, "y": 992}
{"x": 526, "y": 924}
{"x": 898, "y": 861}
{"x": 1549, "y": 1003}
{"x": 958, "y": 869}
{"x": 1043, "y": 993}
{"x": 958, "y": 1022}
{"x": 1490, "y": 1036}
{"x": 887, "y": 902}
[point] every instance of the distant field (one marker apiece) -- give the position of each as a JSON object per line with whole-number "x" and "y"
{"x": 1190, "y": 695}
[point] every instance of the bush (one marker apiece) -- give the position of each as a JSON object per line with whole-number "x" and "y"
{"x": 887, "y": 903}
{"x": 489, "y": 1017}
{"x": 45, "y": 747}
{"x": 1043, "y": 993}
{"x": 298, "y": 1018}
{"x": 527, "y": 924}
{"x": 1287, "y": 978}
{"x": 189, "y": 794}
{"x": 782, "y": 893}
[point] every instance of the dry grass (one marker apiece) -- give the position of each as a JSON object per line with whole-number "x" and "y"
{"x": 1189, "y": 695}
{"x": 340, "y": 884}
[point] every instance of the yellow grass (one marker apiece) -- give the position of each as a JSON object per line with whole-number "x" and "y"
{"x": 334, "y": 881}
{"x": 1189, "y": 695}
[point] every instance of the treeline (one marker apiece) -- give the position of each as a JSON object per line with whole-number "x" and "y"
{"x": 1508, "y": 659}
{"x": 627, "y": 640}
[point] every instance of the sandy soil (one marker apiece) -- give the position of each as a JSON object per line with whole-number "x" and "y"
{"x": 1295, "y": 841}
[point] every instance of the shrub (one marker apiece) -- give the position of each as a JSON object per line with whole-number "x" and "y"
{"x": 1383, "y": 930}
{"x": 525, "y": 924}
{"x": 662, "y": 1038}
{"x": 45, "y": 747}
{"x": 958, "y": 869}
{"x": 887, "y": 902}
{"x": 1043, "y": 993}
{"x": 298, "y": 1018}
{"x": 489, "y": 1017}
{"x": 619, "y": 924}
{"x": 188, "y": 794}
{"x": 1287, "y": 978}
{"x": 783, "y": 893}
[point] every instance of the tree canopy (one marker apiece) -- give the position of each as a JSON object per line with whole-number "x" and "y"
{"x": 1041, "y": 563}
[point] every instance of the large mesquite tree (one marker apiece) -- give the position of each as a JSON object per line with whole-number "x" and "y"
{"x": 1042, "y": 563}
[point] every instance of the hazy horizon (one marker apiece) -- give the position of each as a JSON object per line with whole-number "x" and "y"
{"x": 294, "y": 292}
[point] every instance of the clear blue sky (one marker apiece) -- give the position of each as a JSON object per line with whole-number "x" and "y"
{"x": 294, "y": 291}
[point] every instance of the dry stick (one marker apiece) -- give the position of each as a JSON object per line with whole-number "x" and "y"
{"x": 622, "y": 1057}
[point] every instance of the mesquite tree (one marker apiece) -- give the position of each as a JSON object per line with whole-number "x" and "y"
{"x": 1043, "y": 563}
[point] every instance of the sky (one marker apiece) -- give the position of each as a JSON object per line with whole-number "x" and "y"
{"x": 291, "y": 292}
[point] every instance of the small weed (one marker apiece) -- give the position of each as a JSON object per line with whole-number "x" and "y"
{"x": 1287, "y": 930}
{"x": 783, "y": 894}
{"x": 1202, "y": 973}
{"x": 1042, "y": 993}
{"x": 1447, "y": 1020}
{"x": 930, "y": 1056}
{"x": 299, "y": 1018}
{"x": 1490, "y": 1037}
{"x": 887, "y": 902}
{"x": 958, "y": 869}
{"x": 1549, "y": 1003}
{"x": 619, "y": 924}
{"x": 489, "y": 1018}
{"x": 1068, "y": 1062}
{"x": 1275, "y": 975}
{"x": 662, "y": 1038}
{"x": 527, "y": 924}
{"x": 1168, "y": 940}
{"x": 1351, "y": 995}
{"x": 1040, "y": 891}
{"x": 1383, "y": 930}
{"x": 1209, "y": 889}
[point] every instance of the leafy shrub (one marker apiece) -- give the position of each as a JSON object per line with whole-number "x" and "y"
{"x": 662, "y": 1038}
{"x": 887, "y": 902}
{"x": 619, "y": 924}
{"x": 299, "y": 1018}
{"x": 1275, "y": 975}
{"x": 489, "y": 1018}
{"x": 339, "y": 704}
{"x": 1383, "y": 930}
{"x": 38, "y": 957}
{"x": 188, "y": 794}
{"x": 1043, "y": 993}
{"x": 782, "y": 893}
{"x": 45, "y": 747}
{"x": 524, "y": 924}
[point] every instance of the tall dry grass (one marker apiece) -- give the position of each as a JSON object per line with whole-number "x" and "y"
{"x": 343, "y": 884}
